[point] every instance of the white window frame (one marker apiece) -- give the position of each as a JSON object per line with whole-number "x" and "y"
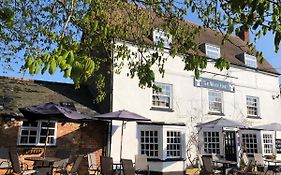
{"x": 38, "y": 134}
{"x": 212, "y": 51}
{"x": 162, "y": 95}
{"x": 249, "y": 101}
{"x": 160, "y": 36}
{"x": 210, "y": 101}
{"x": 162, "y": 140}
{"x": 250, "y": 60}
{"x": 181, "y": 143}
{"x": 268, "y": 144}
{"x": 174, "y": 143}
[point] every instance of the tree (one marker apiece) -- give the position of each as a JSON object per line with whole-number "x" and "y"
{"x": 65, "y": 34}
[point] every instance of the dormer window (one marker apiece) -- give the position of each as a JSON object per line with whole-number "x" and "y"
{"x": 250, "y": 60}
{"x": 212, "y": 51}
{"x": 160, "y": 36}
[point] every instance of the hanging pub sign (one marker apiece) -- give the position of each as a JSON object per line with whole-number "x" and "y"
{"x": 214, "y": 84}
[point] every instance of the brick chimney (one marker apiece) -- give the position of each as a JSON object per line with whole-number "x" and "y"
{"x": 244, "y": 35}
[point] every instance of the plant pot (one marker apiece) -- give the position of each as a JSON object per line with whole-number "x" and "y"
{"x": 192, "y": 171}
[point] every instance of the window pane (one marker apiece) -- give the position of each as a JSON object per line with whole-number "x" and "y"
{"x": 149, "y": 145}
{"x": 162, "y": 98}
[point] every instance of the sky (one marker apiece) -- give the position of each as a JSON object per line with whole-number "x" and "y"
{"x": 264, "y": 44}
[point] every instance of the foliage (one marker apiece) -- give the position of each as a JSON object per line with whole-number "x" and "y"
{"x": 65, "y": 35}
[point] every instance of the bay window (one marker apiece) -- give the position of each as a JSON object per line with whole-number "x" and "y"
{"x": 161, "y": 141}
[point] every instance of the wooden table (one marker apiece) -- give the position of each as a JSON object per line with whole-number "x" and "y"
{"x": 274, "y": 164}
{"x": 44, "y": 165}
{"x": 226, "y": 164}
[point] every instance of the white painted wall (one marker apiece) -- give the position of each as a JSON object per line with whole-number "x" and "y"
{"x": 190, "y": 103}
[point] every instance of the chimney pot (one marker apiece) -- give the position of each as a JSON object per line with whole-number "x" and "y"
{"x": 244, "y": 35}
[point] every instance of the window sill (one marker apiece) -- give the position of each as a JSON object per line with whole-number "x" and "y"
{"x": 216, "y": 113}
{"x": 253, "y": 117}
{"x": 161, "y": 109}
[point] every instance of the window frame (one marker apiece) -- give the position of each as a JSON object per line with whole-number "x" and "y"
{"x": 161, "y": 94}
{"x": 38, "y": 130}
{"x": 162, "y": 140}
{"x": 257, "y": 107}
{"x": 160, "y": 36}
{"x": 257, "y": 143}
{"x": 214, "y": 101}
{"x": 210, "y": 53}
{"x": 250, "y": 60}
{"x": 178, "y": 143}
{"x": 264, "y": 148}
{"x": 206, "y": 143}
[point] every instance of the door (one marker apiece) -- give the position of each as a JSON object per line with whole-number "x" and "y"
{"x": 230, "y": 145}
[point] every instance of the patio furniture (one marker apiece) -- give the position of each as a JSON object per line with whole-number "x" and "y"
{"x": 74, "y": 168}
{"x": 273, "y": 165}
{"x": 64, "y": 157}
{"x": 17, "y": 165}
{"x": 227, "y": 165}
{"x": 106, "y": 165}
{"x": 5, "y": 162}
{"x": 141, "y": 164}
{"x": 247, "y": 170}
{"x": 259, "y": 162}
{"x": 208, "y": 166}
{"x": 93, "y": 167}
{"x": 216, "y": 157}
{"x": 128, "y": 167}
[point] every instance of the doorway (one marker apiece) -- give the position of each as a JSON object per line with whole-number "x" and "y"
{"x": 230, "y": 145}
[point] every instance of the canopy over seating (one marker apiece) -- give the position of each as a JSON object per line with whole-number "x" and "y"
{"x": 220, "y": 123}
{"x": 270, "y": 127}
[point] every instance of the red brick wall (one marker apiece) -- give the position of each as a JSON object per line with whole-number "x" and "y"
{"x": 79, "y": 138}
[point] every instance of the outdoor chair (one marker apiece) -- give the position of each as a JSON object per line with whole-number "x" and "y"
{"x": 214, "y": 158}
{"x": 5, "y": 162}
{"x": 64, "y": 156}
{"x": 128, "y": 167}
{"x": 141, "y": 164}
{"x": 247, "y": 170}
{"x": 93, "y": 167}
{"x": 17, "y": 166}
{"x": 74, "y": 169}
{"x": 208, "y": 166}
{"x": 259, "y": 162}
{"x": 106, "y": 165}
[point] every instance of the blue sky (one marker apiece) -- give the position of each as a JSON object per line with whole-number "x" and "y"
{"x": 264, "y": 44}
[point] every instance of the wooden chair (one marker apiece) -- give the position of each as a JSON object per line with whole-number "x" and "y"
{"x": 17, "y": 166}
{"x": 106, "y": 165}
{"x": 74, "y": 168}
{"x": 93, "y": 167}
{"x": 141, "y": 164}
{"x": 259, "y": 162}
{"x": 64, "y": 156}
{"x": 208, "y": 166}
{"x": 247, "y": 170}
{"x": 128, "y": 167}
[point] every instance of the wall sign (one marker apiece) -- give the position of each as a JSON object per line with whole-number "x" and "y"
{"x": 278, "y": 145}
{"x": 214, "y": 84}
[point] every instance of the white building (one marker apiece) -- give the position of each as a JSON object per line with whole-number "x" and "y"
{"x": 248, "y": 92}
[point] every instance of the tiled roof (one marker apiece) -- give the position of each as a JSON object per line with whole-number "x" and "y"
{"x": 16, "y": 93}
{"x": 229, "y": 50}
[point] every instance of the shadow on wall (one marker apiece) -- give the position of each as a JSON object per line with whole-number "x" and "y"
{"x": 79, "y": 138}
